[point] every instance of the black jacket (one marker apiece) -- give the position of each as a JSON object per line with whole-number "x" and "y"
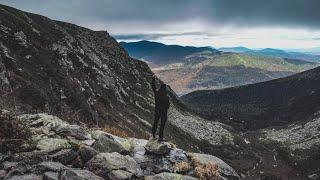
{"x": 161, "y": 98}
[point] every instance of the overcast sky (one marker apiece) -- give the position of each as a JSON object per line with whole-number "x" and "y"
{"x": 218, "y": 23}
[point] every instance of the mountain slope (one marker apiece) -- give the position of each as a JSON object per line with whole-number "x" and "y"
{"x": 271, "y": 103}
{"x": 206, "y": 71}
{"x": 159, "y": 53}
{"x": 70, "y": 71}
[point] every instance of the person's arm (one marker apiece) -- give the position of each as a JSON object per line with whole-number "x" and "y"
{"x": 153, "y": 84}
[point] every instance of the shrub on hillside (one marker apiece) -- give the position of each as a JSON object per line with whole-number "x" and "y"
{"x": 13, "y": 134}
{"x": 182, "y": 167}
{"x": 207, "y": 171}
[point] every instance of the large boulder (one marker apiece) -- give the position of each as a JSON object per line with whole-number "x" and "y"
{"x": 120, "y": 175}
{"x": 51, "y": 166}
{"x": 73, "y": 131}
{"x": 87, "y": 153}
{"x": 224, "y": 169}
{"x": 104, "y": 163}
{"x": 106, "y": 142}
{"x": 33, "y": 157}
{"x": 78, "y": 174}
{"x": 44, "y": 125}
{"x": 50, "y": 176}
{"x": 169, "y": 176}
{"x": 65, "y": 156}
{"x": 178, "y": 155}
{"x": 52, "y": 144}
{"x": 155, "y": 147}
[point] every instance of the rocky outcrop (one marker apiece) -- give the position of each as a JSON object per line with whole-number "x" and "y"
{"x": 108, "y": 157}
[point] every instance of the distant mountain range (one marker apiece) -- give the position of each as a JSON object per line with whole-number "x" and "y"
{"x": 187, "y": 68}
{"x": 307, "y": 56}
{"x": 160, "y": 53}
{"x": 238, "y": 49}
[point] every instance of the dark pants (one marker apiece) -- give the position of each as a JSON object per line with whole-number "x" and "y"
{"x": 159, "y": 114}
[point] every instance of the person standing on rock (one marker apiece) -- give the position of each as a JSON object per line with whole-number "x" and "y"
{"x": 162, "y": 104}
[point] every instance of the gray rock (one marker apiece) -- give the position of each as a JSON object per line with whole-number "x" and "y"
{"x": 77, "y": 174}
{"x": 33, "y": 157}
{"x": 37, "y": 120}
{"x": 72, "y": 130}
{"x": 224, "y": 169}
{"x": 87, "y": 153}
{"x": 178, "y": 155}
{"x": 65, "y": 156}
{"x": 103, "y": 163}
{"x": 51, "y": 176}
{"x": 313, "y": 176}
{"x": 106, "y": 142}
{"x": 3, "y": 157}
{"x": 3, "y": 174}
{"x": 8, "y": 165}
{"x": 155, "y": 147}
{"x": 26, "y": 177}
{"x": 88, "y": 142}
{"x": 52, "y": 144}
{"x": 51, "y": 166}
{"x": 169, "y": 176}
{"x": 120, "y": 175}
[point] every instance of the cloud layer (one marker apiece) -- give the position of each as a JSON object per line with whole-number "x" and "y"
{"x": 302, "y": 13}
{"x": 158, "y": 19}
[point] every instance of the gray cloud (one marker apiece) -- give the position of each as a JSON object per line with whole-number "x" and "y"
{"x": 156, "y": 36}
{"x": 284, "y": 13}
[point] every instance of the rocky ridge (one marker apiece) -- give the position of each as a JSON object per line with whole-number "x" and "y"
{"x": 64, "y": 151}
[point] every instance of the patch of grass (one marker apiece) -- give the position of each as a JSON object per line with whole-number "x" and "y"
{"x": 115, "y": 131}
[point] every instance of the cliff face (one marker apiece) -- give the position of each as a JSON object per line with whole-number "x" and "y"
{"x": 70, "y": 71}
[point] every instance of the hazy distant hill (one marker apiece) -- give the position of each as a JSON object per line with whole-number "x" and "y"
{"x": 239, "y": 49}
{"x": 311, "y": 56}
{"x": 159, "y": 53}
